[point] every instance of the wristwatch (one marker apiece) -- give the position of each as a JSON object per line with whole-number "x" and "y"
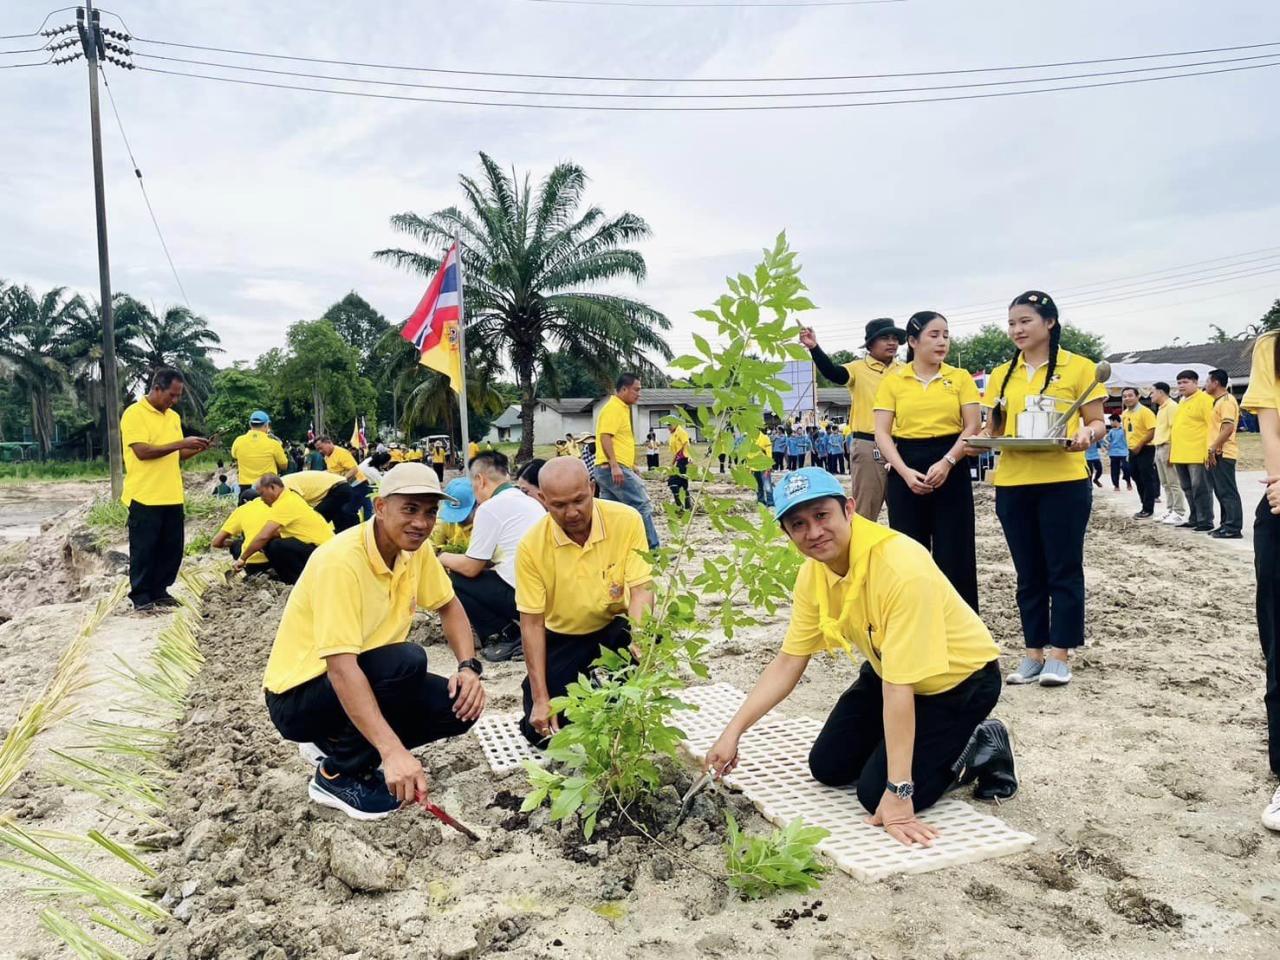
{"x": 903, "y": 790}
{"x": 949, "y": 458}
{"x": 474, "y": 665}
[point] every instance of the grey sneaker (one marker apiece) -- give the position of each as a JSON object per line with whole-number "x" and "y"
{"x": 1056, "y": 673}
{"x": 1027, "y": 671}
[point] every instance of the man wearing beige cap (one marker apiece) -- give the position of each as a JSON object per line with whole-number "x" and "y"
{"x": 341, "y": 677}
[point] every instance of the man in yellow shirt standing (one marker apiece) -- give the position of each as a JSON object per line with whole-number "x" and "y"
{"x": 151, "y": 435}
{"x": 580, "y": 581}
{"x": 616, "y": 459}
{"x": 1224, "y": 450}
{"x": 291, "y": 533}
{"x": 863, "y": 378}
{"x": 1139, "y": 433}
{"x": 1189, "y": 449}
{"x": 257, "y": 452}
{"x": 914, "y": 723}
{"x": 1166, "y": 410}
{"x": 678, "y": 479}
{"x": 341, "y": 676}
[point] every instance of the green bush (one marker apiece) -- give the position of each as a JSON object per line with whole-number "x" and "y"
{"x": 787, "y": 860}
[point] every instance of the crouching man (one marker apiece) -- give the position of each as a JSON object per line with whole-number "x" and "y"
{"x": 580, "y": 580}
{"x": 914, "y": 723}
{"x": 342, "y": 677}
{"x": 291, "y": 533}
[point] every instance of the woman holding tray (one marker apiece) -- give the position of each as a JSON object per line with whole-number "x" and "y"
{"x": 925, "y": 410}
{"x": 1043, "y": 497}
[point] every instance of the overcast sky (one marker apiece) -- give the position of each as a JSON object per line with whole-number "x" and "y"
{"x": 272, "y": 201}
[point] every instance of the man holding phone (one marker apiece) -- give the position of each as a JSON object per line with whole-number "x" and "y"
{"x": 151, "y": 435}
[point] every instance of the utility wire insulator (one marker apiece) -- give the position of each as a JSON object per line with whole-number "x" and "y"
{"x": 123, "y": 64}
{"x": 54, "y": 32}
{"x": 58, "y": 61}
{"x": 117, "y": 34}
{"x": 63, "y": 44}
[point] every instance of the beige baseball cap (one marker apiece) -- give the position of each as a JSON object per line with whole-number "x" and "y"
{"x": 412, "y": 479}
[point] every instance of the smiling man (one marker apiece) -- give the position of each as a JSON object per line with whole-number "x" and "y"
{"x": 914, "y": 723}
{"x": 341, "y": 675}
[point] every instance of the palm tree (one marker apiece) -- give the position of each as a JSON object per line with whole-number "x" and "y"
{"x": 529, "y": 261}
{"x": 30, "y": 332}
{"x": 80, "y": 350}
{"x": 176, "y": 338}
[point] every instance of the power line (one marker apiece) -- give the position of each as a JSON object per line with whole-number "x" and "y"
{"x": 614, "y": 108}
{"x": 36, "y": 31}
{"x": 143, "y": 187}
{"x": 723, "y": 6}
{"x": 9, "y": 53}
{"x": 15, "y": 66}
{"x": 703, "y": 96}
{"x": 617, "y": 79}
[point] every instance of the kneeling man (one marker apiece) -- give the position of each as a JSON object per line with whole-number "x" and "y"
{"x": 240, "y": 529}
{"x": 580, "y": 579}
{"x": 913, "y": 725}
{"x": 291, "y": 533}
{"x": 341, "y": 675}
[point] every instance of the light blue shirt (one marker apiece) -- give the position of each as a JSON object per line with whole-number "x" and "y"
{"x": 1117, "y": 445}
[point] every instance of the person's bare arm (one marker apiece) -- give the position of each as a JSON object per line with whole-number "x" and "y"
{"x": 1091, "y": 426}
{"x": 220, "y": 539}
{"x": 533, "y": 635}
{"x": 895, "y": 814}
{"x": 606, "y": 444}
{"x": 270, "y": 530}
{"x": 465, "y": 688}
{"x": 1215, "y": 448}
{"x": 775, "y": 685}
{"x": 187, "y": 447}
{"x": 641, "y": 601}
{"x": 404, "y": 774}
{"x": 461, "y": 563}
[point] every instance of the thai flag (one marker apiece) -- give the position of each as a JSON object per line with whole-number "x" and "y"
{"x": 311, "y": 432}
{"x": 980, "y": 379}
{"x": 441, "y": 304}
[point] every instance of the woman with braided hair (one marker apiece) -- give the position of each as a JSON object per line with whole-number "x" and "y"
{"x": 1043, "y": 497}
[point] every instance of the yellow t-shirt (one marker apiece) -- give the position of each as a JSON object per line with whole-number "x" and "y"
{"x": 297, "y": 520}
{"x": 615, "y": 420}
{"x": 1164, "y": 423}
{"x": 472, "y": 449}
{"x": 257, "y": 452}
{"x": 437, "y": 455}
{"x": 580, "y": 589}
{"x": 348, "y": 601}
{"x": 1225, "y": 410}
{"x": 397, "y": 456}
{"x": 247, "y": 521}
{"x": 1071, "y": 377}
{"x": 922, "y": 410}
{"x": 865, "y": 376}
{"x": 414, "y": 456}
{"x": 1136, "y": 423}
{"x": 764, "y": 444}
{"x": 572, "y": 449}
{"x": 311, "y": 485}
{"x": 896, "y": 607}
{"x": 1261, "y": 393}
{"x": 341, "y": 460}
{"x": 1191, "y": 429}
{"x": 678, "y": 441}
{"x": 158, "y": 482}
{"x": 456, "y": 536}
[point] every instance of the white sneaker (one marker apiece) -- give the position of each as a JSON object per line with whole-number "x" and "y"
{"x": 1173, "y": 519}
{"x": 311, "y": 753}
{"x": 1271, "y": 815}
{"x": 1056, "y": 673}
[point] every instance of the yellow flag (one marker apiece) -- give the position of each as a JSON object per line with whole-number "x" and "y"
{"x": 446, "y": 357}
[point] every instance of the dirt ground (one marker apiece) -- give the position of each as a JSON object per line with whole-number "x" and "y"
{"x": 1143, "y": 781}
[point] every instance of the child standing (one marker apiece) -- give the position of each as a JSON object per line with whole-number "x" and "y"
{"x": 1118, "y": 454}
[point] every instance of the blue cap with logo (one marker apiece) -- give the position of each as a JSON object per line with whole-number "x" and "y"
{"x": 259, "y": 417}
{"x": 801, "y": 486}
{"x": 463, "y": 501}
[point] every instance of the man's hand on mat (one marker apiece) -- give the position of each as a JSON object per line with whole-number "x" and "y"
{"x": 723, "y": 755}
{"x": 405, "y": 777}
{"x": 541, "y": 720}
{"x": 467, "y": 693}
{"x": 898, "y": 817}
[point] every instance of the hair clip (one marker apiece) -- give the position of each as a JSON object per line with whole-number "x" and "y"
{"x": 1033, "y": 298}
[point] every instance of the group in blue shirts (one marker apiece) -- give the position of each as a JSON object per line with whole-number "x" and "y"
{"x": 1116, "y": 447}
{"x": 796, "y": 447}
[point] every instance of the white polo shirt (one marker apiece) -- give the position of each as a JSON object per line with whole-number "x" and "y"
{"x": 500, "y": 523}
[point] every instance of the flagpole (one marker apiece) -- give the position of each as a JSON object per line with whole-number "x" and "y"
{"x": 462, "y": 361}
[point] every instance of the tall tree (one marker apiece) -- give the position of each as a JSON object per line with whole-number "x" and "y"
{"x": 176, "y": 338}
{"x": 990, "y": 346}
{"x": 530, "y": 260}
{"x": 236, "y": 394}
{"x": 322, "y": 372}
{"x": 839, "y": 358}
{"x": 357, "y": 323}
{"x": 31, "y": 329}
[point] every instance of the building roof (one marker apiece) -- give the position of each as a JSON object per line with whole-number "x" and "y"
{"x": 509, "y": 417}
{"x": 1234, "y": 356}
{"x": 568, "y": 404}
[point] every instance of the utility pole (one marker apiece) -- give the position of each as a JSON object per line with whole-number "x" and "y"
{"x": 92, "y": 42}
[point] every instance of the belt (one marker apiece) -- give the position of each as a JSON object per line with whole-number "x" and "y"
{"x": 863, "y": 436}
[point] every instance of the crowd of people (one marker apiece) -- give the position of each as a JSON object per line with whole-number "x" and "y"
{"x": 548, "y": 563}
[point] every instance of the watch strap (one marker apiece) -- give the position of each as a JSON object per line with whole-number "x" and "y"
{"x": 474, "y": 665}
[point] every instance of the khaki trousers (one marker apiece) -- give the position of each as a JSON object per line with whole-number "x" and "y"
{"x": 869, "y": 479}
{"x": 1173, "y": 498}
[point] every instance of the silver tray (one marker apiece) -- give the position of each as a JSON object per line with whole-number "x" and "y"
{"x": 1033, "y": 444}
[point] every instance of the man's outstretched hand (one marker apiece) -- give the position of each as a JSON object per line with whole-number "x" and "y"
{"x": 898, "y": 817}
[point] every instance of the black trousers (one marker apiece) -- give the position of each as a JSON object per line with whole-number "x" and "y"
{"x": 941, "y": 521}
{"x": 652, "y": 460}
{"x": 155, "y": 550}
{"x": 1143, "y": 466}
{"x": 1119, "y": 465}
{"x": 567, "y": 656}
{"x": 1222, "y": 478}
{"x": 338, "y": 506}
{"x": 851, "y": 749}
{"x": 246, "y": 494}
{"x": 288, "y": 557}
{"x": 413, "y": 701}
{"x": 1266, "y": 564}
{"x": 489, "y": 600}
{"x": 678, "y": 484}
{"x": 1044, "y": 525}
{"x": 1095, "y": 471}
{"x": 779, "y": 458}
{"x": 439, "y": 469}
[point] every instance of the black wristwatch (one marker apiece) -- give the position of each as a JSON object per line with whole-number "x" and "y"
{"x": 474, "y": 665}
{"x": 903, "y": 791}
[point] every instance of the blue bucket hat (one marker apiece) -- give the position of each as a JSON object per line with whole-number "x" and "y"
{"x": 259, "y": 417}
{"x": 464, "y": 501}
{"x": 801, "y": 486}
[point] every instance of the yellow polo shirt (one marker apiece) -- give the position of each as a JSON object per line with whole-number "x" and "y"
{"x": 1225, "y": 410}
{"x": 438, "y": 455}
{"x": 896, "y": 608}
{"x": 1261, "y": 393}
{"x": 297, "y": 520}
{"x": 312, "y": 485}
{"x": 1071, "y": 377}
{"x": 247, "y": 521}
{"x": 472, "y": 449}
{"x": 348, "y": 601}
{"x": 341, "y": 460}
{"x": 257, "y": 452}
{"x": 615, "y": 420}
{"x": 764, "y": 445}
{"x": 455, "y": 536}
{"x": 1164, "y": 423}
{"x": 580, "y": 589}
{"x": 1191, "y": 428}
{"x": 397, "y": 456}
{"x": 865, "y": 376}
{"x": 158, "y": 482}
{"x": 926, "y": 409}
{"x": 678, "y": 441}
{"x": 1136, "y": 423}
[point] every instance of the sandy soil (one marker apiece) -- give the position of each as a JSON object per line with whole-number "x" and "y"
{"x": 1143, "y": 780}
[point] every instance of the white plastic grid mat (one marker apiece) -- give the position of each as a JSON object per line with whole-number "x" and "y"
{"x": 504, "y": 746}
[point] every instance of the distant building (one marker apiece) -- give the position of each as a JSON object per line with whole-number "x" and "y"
{"x": 1234, "y": 356}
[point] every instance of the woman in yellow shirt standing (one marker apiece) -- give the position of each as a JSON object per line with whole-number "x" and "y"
{"x": 924, "y": 413}
{"x": 1043, "y": 498}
